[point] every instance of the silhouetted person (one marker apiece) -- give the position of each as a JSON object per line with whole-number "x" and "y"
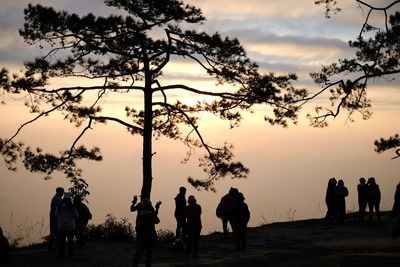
{"x": 396, "y": 205}
{"x": 396, "y": 213}
{"x": 193, "y": 219}
{"x": 374, "y": 199}
{"x": 55, "y": 201}
{"x": 330, "y": 201}
{"x": 226, "y": 208}
{"x": 180, "y": 204}
{"x": 362, "y": 189}
{"x": 341, "y": 193}
{"x": 67, "y": 216}
{"x": 146, "y": 234}
{"x": 241, "y": 219}
{"x": 4, "y": 247}
{"x": 83, "y": 220}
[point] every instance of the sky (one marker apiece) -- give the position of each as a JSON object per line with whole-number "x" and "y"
{"x": 289, "y": 168}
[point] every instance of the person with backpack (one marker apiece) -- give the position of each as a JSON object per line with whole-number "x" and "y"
{"x": 226, "y": 208}
{"x": 83, "y": 220}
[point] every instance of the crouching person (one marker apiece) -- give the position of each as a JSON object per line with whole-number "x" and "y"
{"x": 146, "y": 234}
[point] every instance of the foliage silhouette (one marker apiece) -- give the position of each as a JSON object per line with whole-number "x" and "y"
{"x": 125, "y": 54}
{"x": 377, "y": 57}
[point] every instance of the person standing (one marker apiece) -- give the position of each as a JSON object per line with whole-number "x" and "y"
{"x": 146, "y": 234}
{"x": 396, "y": 213}
{"x": 55, "y": 201}
{"x": 341, "y": 193}
{"x": 226, "y": 208}
{"x": 374, "y": 199}
{"x": 193, "y": 220}
{"x": 396, "y": 204}
{"x": 67, "y": 216}
{"x": 83, "y": 220}
{"x": 241, "y": 219}
{"x": 362, "y": 189}
{"x": 4, "y": 247}
{"x": 330, "y": 201}
{"x": 180, "y": 204}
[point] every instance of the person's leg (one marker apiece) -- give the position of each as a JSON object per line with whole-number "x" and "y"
{"x": 149, "y": 251}
{"x": 363, "y": 207}
{"x": 225, "y": 225}
{"x": 238, "y": 236}
{"x": 244, "y": 237}
{"x": 53, "y": 231}
{"x": 343, "y": 211}
{"x": 61, "y": 235}
{"x": 371, "y": 211}
{"x": 232, "y": 223}
{"x": 196, "y": 239}
{"x": 189, "y": 242}
{"x": 79, "y": 234}
{"x": 139, "y": 250}
{"x": 178, "y": 226}
{"x": 378, "y": 213}
{"x": 70, "y": 238}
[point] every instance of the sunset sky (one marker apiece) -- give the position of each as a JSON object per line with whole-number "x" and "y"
{"x": 289, "y": 168}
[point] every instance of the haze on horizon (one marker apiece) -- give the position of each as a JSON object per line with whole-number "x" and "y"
{"x": 289, "y": 168}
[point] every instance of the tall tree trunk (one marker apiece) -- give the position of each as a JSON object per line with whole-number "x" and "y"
{"x": 147, "y": 135}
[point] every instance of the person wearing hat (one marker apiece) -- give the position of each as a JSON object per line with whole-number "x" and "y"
{"x": 55, "y": 201}
{"x": 193, "y": 226}
{"x": 67, "y": 216}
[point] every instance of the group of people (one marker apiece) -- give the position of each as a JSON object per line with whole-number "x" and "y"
{"x": 369, "y": 195}
{"x": 188, "y": 217}
{"x": 188, "y": 222}
{"x": 232, "y": 209}
{"x": 68, "y": 218}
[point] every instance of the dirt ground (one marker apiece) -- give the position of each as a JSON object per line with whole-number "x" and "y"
{"x": 299, "y": 243}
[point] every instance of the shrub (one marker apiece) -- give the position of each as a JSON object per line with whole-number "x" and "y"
{"x": 165, "y": 235}
{"x": 112, "y": 230}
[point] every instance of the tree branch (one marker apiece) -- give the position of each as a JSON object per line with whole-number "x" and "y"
{"x": 130, "y": 126}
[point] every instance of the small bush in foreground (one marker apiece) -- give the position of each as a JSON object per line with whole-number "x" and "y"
{"x": 120, "y": 230}
{"x": 112, "y": 230}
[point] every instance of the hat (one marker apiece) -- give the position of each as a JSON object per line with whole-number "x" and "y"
{"x": 67, "y": 195}
{"x": 59, "y": 190}
{"x": 191, "y": 199}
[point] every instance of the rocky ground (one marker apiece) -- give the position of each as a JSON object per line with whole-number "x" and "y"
{"x": 299, "y": 243}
